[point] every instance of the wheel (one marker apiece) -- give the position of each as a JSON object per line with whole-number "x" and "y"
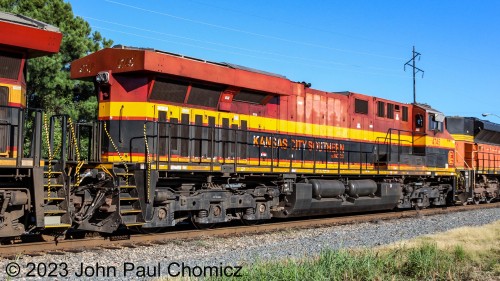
{"x": 194, "y": 216}
{"x": 249, "y": 211}
{"x": 152, "y": 230}
{"x": 249, "y": 222}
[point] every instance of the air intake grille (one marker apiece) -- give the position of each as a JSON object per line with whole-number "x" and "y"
{"x": 10, "y": 64}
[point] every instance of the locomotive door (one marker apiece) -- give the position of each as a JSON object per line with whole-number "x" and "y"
{"x": 185, "y": 136}
{"x": 232, "y": 138}
{"x": 358, "y": 150}
{"x": 163, "y": 133}
{"x": 202, "y": 137}
{"x": 258, "y": 142}
{"x": 177, "y": 131}
{"x": 419, "y": 134}
{"x": 240, "y": 125}
{"x": 4, "y": 120}
{"x": 366, "y": 148}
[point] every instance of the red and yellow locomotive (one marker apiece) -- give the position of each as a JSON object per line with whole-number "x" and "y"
{"x": 214, "y": 142}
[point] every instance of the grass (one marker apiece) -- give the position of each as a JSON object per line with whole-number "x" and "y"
{"x": 470, "y": 253}
{"x": 474, "y": 240}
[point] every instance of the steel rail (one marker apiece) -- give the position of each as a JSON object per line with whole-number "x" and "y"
{"x": 76, "y": 245}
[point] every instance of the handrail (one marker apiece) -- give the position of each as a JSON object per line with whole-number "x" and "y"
{"x": 35, "y": 142}
{"x": 463, "y": 159}
{"x": 231, "y": 148}
{"x": 388, "y": 141}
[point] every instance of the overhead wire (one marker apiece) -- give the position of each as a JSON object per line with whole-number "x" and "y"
{"x": 215, "y": 43}
{"x": 273, "y": 20}
{"x": 236, "y": 47}
{"x": 240, "y": 54}
{"x": 253, "y": 33}
{"x": 289, "y": 40}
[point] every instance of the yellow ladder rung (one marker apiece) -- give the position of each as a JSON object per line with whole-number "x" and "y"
{"x": 129, "y": 198}
{"x": 54, "y": 212}
{"x": 130, "y": 211}
{"x": 54, "y": 198}
{"x": 62, "y": 225}
{"x": 54, "y": 185}
{"x": 135, "y": 224}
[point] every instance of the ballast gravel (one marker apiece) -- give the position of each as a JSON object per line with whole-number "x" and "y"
{"x": 167, "y": 260}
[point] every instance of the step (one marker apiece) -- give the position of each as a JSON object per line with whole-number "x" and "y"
{"x": 55, "y": 212}
{"x": 127, "y": 186}
{"x": 135, "y": 224}
{"x": 53, "y": 185}
{"x": 52, "y": 173}
{"x": 61, "y": 225}
{"x": 54, "y": 198}
{"x": 130, "y": 211}
{"x": 125, "y": 174}
{"x": 129, "y": 198}
{"x": 54, "y": 222}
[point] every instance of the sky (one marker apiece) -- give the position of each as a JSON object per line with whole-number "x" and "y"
{"x": 357, "y": 45}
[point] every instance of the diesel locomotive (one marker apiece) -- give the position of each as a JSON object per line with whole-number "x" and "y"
{"x": 183, "y": 139}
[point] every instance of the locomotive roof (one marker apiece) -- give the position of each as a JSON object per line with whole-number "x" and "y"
{"x": 121, "y": 59}
{"x": 231, "y": 65}
{"x": 24, "y": 20}
{"x": 483, "y": 131}
{"x": 427, "y": 107}
{"x": 487, "y": 132}
{"x": 22, "y": 33}
{"x": 490, "y": 126}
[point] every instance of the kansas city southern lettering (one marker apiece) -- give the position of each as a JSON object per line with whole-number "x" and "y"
{"x": 299, "y": 144}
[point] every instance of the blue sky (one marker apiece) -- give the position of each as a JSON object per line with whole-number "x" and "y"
{"x": 356, "y": 45}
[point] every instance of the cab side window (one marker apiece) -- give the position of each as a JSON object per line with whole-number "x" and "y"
{"x": 435, "y": 124}
{"x": 419, "y": 121}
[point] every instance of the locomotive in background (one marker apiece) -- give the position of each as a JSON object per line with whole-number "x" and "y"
{"x": 478, "y": 157}
{"x": 23, "y": 200}
{"x": 178, "y": 138}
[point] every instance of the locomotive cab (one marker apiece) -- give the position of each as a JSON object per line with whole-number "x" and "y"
{"x": 21, "y": 38}
{"x": 430, "y": 137}
{"x": 12, "y": 96}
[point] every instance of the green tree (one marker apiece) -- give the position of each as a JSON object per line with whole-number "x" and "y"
{"x": 49, "y": 86}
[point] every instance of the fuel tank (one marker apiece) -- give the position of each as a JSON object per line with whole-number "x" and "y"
{"x": 357, "y": 188}
{"x": 327, "y": 188}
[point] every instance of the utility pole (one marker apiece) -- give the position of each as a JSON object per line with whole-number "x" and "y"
{"x": 415, "y": 71}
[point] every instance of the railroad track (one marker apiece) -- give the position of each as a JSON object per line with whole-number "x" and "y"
{"x": 59, "y": 247}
